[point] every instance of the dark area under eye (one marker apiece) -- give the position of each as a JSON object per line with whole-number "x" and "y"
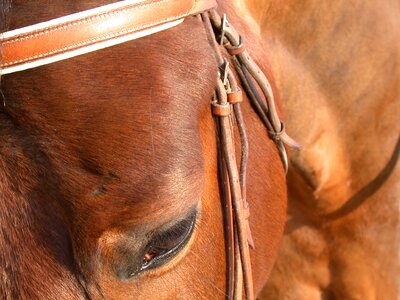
{"x": 163, "y": 246}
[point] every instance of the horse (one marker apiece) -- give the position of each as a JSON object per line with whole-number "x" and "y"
{"x": 110, "y": 179}
{"x": 337, "y": 63}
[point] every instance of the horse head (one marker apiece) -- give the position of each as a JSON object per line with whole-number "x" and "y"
{"x": 109, "y": 179}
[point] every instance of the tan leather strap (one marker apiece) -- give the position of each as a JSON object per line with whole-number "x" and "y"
{"x": 233, "y": 179}
{"x": 250, "y": 73}
{"x": 91, "y": 30}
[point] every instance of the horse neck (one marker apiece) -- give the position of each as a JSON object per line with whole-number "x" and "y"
{"x": 336, "y": 55}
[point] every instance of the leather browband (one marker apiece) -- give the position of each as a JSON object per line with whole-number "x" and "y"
{"x": 91, "y": 30}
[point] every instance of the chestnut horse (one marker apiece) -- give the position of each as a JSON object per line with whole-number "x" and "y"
{"x": 106, "y": 153}
{"x": 337, "y": 65}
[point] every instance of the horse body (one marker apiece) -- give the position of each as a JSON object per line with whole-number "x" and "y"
{"x": 337, "y": 68}
{"x": 102, "y": 150}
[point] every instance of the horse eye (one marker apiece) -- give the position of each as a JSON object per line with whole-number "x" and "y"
{"x": 167, "y": 244}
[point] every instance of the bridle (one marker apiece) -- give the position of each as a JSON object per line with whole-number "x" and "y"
{"x": 227, "y": 111}
{"x": 105, "y": 26}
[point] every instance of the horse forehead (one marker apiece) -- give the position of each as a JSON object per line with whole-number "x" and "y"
{"x": 35, "y": 11}
{"x": 132, "y": 109}
{"x": 154, "y": 108}
{"x": 171, "y": 74}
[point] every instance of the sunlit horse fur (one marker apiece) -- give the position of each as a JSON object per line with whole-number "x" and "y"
{"x": 102, "y": 149}
{"x": 337, "y": 66}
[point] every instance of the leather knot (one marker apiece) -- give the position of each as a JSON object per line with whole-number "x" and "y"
{"x": 235, "y": 97}
{"x": 276, "y": 136}
{"x": 236, "y": 50}
{"x": 221, "y": 110}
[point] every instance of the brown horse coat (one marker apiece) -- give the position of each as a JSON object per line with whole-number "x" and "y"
{"x": 337, "y": 65}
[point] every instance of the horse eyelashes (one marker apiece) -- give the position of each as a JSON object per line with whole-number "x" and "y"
{"x": 165, "y": 245}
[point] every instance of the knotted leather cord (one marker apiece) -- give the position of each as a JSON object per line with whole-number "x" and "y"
{"x": 241, "y": 241}
{"x": 226, "y": 108}
{"x": 233, "y": 261}
{"x": 246, "y": 68}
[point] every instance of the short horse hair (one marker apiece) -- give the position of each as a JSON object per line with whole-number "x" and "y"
{"x": 4, "y": 14}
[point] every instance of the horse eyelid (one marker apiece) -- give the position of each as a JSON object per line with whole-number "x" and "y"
{"x": 156, "y": 255}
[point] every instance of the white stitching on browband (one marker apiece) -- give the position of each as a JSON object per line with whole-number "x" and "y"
{"x": 79, "y": 22}
{"x": 98, "y": 39}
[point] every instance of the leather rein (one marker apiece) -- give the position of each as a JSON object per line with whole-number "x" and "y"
{"x": 123, "y": 21}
